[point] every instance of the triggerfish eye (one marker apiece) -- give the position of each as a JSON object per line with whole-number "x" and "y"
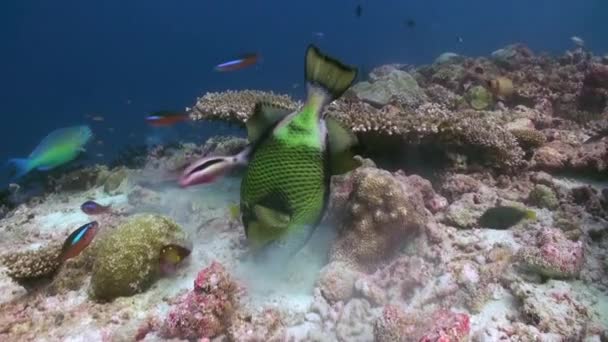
{"x": 78, "y": 240}
{"x": 171, "y": 256}
{"x": 94, "y": 208}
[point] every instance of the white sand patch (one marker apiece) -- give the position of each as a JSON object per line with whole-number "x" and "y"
{"x": 492, "y": 316}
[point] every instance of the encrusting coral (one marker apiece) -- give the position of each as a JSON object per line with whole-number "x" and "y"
{"x": 127, "y": 259}
{"x": 28, "y": 267}
{"x": 381, "y": 211}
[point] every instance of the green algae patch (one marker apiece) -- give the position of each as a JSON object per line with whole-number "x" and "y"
{"x": 126, "y": 260}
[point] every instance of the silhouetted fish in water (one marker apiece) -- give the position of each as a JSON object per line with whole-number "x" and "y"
{"x": 94, "y": 208}
{"x": 358, "y": 11}
{"x": 79, "y": 240}
{"x": 410, "y": 23}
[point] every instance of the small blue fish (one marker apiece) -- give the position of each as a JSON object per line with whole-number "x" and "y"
{"x": 244, "y": 61}
{"x": 59, "y": 147}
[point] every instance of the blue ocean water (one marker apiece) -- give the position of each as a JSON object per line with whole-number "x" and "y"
{"x": 62, "y": 60}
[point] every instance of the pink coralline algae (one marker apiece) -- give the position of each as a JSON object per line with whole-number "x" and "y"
{"x": 393, "y": 325}
{"x": 203, "y": 312}
{"x": 448, "y": 327}
{"x": 442, "y": 326}
{"x": 554, "y": 256}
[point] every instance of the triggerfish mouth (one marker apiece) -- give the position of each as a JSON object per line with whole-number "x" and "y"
{"x": 290, "y": 159}
{"x": 242, "y": 62}
{"x": 59, "y": 147}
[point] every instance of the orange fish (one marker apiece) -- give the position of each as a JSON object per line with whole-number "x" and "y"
{"x": 166, "y": 118}
{"x": 78, "y": 240}
{"x": 244, "y": 61}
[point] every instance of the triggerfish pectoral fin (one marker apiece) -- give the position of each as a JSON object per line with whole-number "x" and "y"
{"x": 208, "y": 169}
{"x": 341, "y": 141}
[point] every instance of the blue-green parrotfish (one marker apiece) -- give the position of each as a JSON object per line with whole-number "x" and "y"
{"x": 290, "y": 159}
{"x": 59, "y": 147}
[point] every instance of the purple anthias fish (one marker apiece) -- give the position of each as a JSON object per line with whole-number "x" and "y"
{"x": 94, "y": 208}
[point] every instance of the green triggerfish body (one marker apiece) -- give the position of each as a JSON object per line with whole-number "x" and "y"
{"x": 59, "y": 147}
{"x": 290, "y": 160}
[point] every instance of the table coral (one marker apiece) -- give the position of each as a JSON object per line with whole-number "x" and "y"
{"x": 235, "y": 106}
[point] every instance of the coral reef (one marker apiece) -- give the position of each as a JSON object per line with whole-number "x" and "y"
{"x": 126, "y": 259}
{"x": 515, "y": 130}
{"x": 553, "y": 256}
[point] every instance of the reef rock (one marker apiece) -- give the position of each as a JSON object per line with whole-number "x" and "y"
{"x": 126, "y": 259}
{"x": 382, "y": 210}
{"x": 337, "y": 281}
{"x": 553, "y": 308}
{"x": 543, "y": 196}
{"x": 395, "y": 85}
{"x": 205, "y": 311}
{"x": 553, "y": 256}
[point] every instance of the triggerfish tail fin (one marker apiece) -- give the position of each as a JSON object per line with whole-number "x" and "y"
{"x": 22, "y": 166}
{"x": 327, "y": 74}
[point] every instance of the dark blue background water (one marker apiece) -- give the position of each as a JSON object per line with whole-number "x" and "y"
{"x": 61, "y": 60}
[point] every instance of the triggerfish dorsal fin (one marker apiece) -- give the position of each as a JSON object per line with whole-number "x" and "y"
{"x": 265, "y": 115}
{"x": 327, "y": 73}
{"x": 79, "y": 240}
{"x": 341, "y": 142}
